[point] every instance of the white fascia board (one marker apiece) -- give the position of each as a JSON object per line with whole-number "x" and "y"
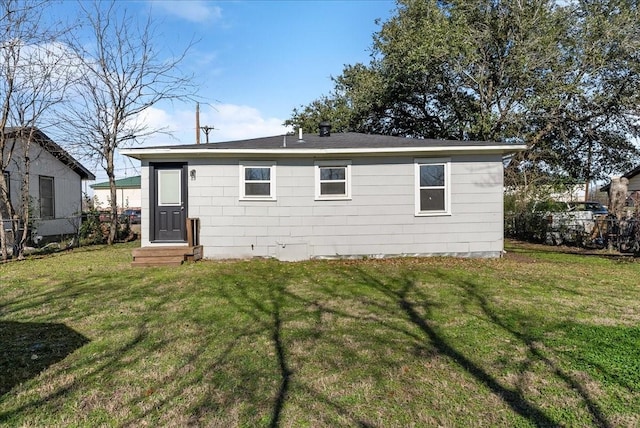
{"x": 178, "y": 152}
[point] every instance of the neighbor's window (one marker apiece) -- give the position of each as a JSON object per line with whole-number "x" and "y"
{"x": 432, "y": 186}
{"x": 258, "y": 181}
{"x": 4, "y": 210}
{"x": 47, "y": 197}
{"x": 333, "y": 180}
{"x": 7, "y": 180}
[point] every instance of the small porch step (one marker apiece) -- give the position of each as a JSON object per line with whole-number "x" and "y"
{"x": 165, "y": 256}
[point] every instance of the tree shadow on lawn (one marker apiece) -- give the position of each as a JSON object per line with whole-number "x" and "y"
{"x": 29, "y": 348}
{"x": 272, "y": 306}
{"x": 268, "y": 316}
{"x": 412, "y": 302}
{"x": 535, "y": 349}
{"x": 106, "y": 363}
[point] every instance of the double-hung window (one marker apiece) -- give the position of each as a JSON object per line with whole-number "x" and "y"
{"x": 333, "y": 180}
{"x": 432, "y": 184}
{"x": 47, "y": 197}
{"x": 258, "y": 181}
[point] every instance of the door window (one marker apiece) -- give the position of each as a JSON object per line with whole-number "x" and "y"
{"x": 169, "y": 187}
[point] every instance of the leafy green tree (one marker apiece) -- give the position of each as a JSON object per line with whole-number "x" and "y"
{"x": 331, "y": 109}
{"x": 561, "y": 77}
{"x": 595, "y": 119}
{"x": 347, "y": 108}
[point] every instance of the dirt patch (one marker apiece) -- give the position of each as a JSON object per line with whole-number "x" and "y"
{"x": 518, "y": 257}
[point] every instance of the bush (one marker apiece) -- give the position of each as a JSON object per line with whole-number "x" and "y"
{"x": 91, "y": 230}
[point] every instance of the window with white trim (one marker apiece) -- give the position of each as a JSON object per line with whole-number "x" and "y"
{"x": 333, "y": 180}
{"x": 258, "y": 181}
{"x": 432, "y": 186}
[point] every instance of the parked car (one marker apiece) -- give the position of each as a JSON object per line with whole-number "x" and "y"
{"x": 595, "y": 207}
{"x": 551, "y": 206}
{"x": 132, "y": 215}
{"x": 104, "y": 216}
{"x": 575, "y": 222}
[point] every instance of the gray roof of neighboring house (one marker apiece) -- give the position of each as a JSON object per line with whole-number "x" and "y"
{"x": 313, "y": 143}
{"x": 58, "y": 152}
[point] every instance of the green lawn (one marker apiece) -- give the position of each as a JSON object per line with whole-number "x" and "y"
{"x": 537, "y": 338}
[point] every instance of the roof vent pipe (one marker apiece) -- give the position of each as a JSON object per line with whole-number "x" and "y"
{"x": 325, "y": 129}
{"x": 300, "y": 140}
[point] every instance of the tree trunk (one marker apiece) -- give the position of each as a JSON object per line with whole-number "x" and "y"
{"x": 20, "y": 240}
{"x": 3, "y": 241}
{"x": 113, "y": 229}
{"x": 4, "y": 202}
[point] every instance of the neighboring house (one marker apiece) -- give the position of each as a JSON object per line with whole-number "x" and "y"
{"x": 569, "y": 193}
{"x": 634, "y": 181}
{"x": 55, "y": 185}
{"x": 341, "y": 195}
{"x": 127, "y": 193}
{"x": 564, "y": 193}
{"x": 633, "y": 188}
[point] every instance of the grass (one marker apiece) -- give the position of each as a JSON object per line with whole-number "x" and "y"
{"x": 537, "y": 338}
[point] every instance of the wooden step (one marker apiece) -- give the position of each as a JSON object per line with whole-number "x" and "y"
{"x": 154, "y": 262}
{"x": 165, "y": 256}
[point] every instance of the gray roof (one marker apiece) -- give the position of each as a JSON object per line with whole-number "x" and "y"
{"x": 349, "y": 143}
{"x": 346, "y": 140}
{"x": 58, "y": 152}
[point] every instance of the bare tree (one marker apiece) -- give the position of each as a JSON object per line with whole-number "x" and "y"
{"x": 121, "y": 74}
{"x": 32, "y": 82}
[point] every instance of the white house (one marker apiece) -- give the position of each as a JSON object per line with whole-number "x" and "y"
{"x": 55, "y": 185}
{"x": 326, "y": 196}
{"x": 127, "y": 193}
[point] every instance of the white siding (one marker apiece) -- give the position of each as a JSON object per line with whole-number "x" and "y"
{"x": 125, "y": 198}
{"x": 379, "y": 220}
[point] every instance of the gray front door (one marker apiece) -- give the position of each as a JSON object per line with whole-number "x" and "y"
{"x": 170, "y": 211}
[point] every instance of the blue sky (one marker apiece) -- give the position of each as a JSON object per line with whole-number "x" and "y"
{"x": 255, "y": 61}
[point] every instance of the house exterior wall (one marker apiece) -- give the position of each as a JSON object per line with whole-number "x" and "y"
{"x": 125, "y": 198}
{"x": 378, "y": 220}
{"x": 67, "y": 191}
{"x": 634, "y": 184}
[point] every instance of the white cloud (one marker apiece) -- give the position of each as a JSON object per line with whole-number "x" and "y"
{"x": 194, "y": 10}
{"x": 230, "y": 122}
{"x": 236, "y": 122}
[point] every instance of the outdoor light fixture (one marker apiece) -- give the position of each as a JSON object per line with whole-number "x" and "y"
{"x": 192, "y": 174}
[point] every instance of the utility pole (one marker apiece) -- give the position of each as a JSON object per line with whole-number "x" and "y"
{"x": 206, "y": 130}
{"x": 198, "y": 123}
{"x": 588, "y": 174}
